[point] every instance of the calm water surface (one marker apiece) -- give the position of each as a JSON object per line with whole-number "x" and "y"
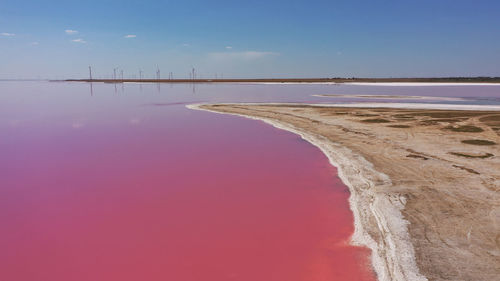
{"x": 122, "y": 182}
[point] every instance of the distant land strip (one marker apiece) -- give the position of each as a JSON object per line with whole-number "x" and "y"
{"x": 300, "y": 80}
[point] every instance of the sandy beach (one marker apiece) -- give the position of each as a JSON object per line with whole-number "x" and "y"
{"x": 424, "y": 182}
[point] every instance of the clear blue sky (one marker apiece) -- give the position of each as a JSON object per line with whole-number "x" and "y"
{"x": 59, "y": 39}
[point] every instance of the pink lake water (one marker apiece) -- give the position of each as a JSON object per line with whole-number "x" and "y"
{"x": 125, "y": 183}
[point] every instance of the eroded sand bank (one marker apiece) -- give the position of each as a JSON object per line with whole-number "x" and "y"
{"x": 425, "y": 184}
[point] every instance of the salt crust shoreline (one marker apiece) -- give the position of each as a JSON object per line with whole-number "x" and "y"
{"x": 393, "y": 256}
{"x": 475, "y": 107}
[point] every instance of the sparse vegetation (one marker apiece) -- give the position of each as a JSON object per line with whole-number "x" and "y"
{"x": 399, "y": 126}
{"x": 428, "y": 123}
{"x": 479, "y": 142}
{"x": 447, "y": 114}
{"x": 467, "y": 169}
{"x": 376, "y": 120}
{"x": 366, "y": 115}
{"x": 447, "y": 120}
{"x": 482, "y": 156}
{"x": 417, "y": 156}
{"x": 465, "y": 129}
{"x": 494, "y": 118}
{"x": 403, "y": 116}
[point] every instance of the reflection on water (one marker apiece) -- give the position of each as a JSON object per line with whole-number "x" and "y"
{"x": 318, "y": 93}
{"x": 134, "y": 186}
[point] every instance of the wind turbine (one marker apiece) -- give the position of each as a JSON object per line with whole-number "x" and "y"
{"x": 193, "y": 71}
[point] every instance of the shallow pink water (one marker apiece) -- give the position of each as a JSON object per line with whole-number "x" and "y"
{"x": 165, "y": 193}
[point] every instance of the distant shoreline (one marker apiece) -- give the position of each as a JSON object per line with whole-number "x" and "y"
{"x": 489, "y": 80}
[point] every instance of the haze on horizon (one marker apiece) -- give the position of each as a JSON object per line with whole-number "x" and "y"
{"x": 251, "y": 39}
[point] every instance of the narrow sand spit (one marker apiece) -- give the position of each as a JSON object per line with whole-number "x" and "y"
{"x": 418, "y": 84}
{"x": 425, "y": 204}
{"x": 387, "y": 97}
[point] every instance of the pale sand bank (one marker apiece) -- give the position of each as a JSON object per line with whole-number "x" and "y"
{"x": 417, "y": 84}
{"x": 426, "y": 204}
{"x": 382, "y": 97}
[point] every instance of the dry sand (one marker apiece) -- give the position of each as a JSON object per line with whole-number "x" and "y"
{"x": 426, "y": 203}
